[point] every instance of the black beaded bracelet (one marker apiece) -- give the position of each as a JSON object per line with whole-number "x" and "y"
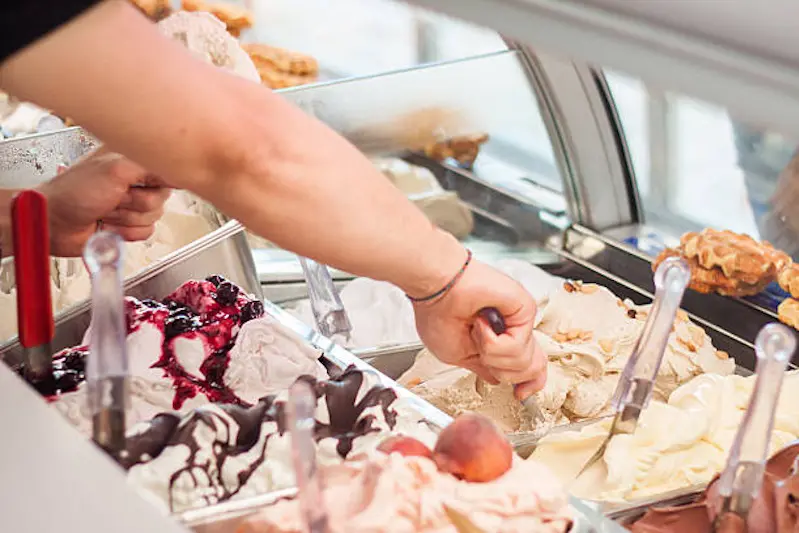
{"x": 446, "y": 288}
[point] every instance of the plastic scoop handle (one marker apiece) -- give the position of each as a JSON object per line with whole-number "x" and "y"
{"x": 31, "y": 232}
{"x": 107, "y": 365}
{"x": 742, "y": 477}
{"x": 302, "y": 404}
{"x": 634, "y": 390}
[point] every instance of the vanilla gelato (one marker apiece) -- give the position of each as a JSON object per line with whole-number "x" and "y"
{"x": 678, "y": 444}
{"x": 395, "y": 494}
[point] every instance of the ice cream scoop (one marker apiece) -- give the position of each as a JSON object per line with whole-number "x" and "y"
{"x": 107, "y": 364}
{"x": 741, "y": 480}
{"x": 497, "y": 323}
{"x": 32, "y": 272}
{"x": 634, "y": 389}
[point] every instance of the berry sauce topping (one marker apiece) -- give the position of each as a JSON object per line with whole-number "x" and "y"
{"x": 210, "y": 312}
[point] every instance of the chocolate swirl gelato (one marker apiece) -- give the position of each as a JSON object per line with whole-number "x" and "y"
{"x": 223, "y": 451}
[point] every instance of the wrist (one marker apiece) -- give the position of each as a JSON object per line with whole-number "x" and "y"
{"x": 439, "y": 263}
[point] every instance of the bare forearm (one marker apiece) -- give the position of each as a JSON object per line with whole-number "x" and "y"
{"x": 283, "y": 174}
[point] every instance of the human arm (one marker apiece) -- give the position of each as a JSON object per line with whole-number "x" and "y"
{"x": 259, "y": 159}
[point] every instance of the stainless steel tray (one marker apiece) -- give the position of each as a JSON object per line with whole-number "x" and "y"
{"x": 628, "y": 515}
{"x": 224, "y": 251}
{"x": 226, "y": 517}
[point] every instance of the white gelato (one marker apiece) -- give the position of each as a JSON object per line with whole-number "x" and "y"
{"x": 206, "y": 37}
{"x": 677, "y": 444}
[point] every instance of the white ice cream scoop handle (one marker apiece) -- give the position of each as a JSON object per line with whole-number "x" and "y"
{"x": 635, "y": 386}
{"x": 742, "y": 477}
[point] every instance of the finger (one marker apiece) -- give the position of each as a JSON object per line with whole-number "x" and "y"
{"x": 145, "y": 199}
{"x": 508, "y": 352}
{"x": 522, "y": 391}
{"x": 535, "y": 371}
{"x": 126, "y": 217}
{"x": 473, "y": 363}
{"x": 131, "y": 233}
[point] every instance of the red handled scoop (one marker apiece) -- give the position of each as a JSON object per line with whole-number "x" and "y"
{"x": 497, "y": 323}
{"x": 31, "y": 233}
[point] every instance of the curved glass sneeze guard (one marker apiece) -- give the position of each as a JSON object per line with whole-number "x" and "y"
{"x": 489, "y": 94}
{"x": 696, "y": 166}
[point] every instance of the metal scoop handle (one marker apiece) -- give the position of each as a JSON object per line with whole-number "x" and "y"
{"x": 742, "y": 477}
{"x": 302, "y": 405}
{"x": 328, "y": 310}
{"x": 107, "y": 365}
{"x": 637, "y": 380}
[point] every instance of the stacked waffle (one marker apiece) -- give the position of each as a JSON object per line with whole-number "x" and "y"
{"x": 733, "y": 264}
{"x": 236, "y": 19}
{"x": 281, "y": 68}
{"x": 788, "y": 311}
{"x": 154, "y": 9}
{"x": 728, "y": 263}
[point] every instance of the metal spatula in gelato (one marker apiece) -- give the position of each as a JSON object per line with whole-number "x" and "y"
{"x": 328, "y": 311}
{"x": 497, "y": 323}
{"x": 634, "y": 389}
{"x": 31, "y": 233}
{"x": 301, "y": 406}
{"x": 107, "y": 364}
{"x": 742, "y": 477}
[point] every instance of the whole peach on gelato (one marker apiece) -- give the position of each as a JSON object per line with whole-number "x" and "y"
{"x": 472, "y": 448}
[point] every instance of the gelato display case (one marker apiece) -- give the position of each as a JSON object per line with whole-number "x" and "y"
{"x": 558, "y": 158}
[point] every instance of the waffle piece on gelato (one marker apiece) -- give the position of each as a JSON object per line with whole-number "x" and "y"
{"x": 678, "y": 444}
{"x": 731, "y": 264}
{"x": 235, "y": 18}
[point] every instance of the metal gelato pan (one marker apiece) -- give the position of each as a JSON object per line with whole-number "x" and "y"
{"x": 227, "y": 517}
